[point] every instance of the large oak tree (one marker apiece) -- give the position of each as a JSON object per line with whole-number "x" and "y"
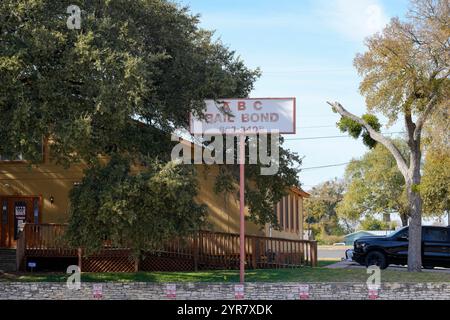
{"x": 145, "y": 60}
{"x": 118, "y": 87}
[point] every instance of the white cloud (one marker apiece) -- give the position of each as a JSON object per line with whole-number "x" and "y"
{"x": 353, "y": 19}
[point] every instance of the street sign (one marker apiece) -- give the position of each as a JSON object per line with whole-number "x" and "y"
{"x": 252, "y": 115}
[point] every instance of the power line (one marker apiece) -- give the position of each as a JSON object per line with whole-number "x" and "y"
{"x": 315, "y": 70}
{"x": 313, "y": 127}
{"x": 332, "y": 137}
{"x": 326, "y": 166}
{"x": 315, "y": 138}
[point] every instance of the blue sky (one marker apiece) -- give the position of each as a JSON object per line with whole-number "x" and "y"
{"x": 305, "y": 49}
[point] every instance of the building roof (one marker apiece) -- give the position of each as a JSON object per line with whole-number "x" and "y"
{"x": 300, "y": 192}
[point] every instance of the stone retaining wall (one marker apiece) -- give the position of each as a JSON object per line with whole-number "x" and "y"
{"x": 224, "y": 291}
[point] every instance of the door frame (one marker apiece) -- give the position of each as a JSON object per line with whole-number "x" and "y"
{"x": 11, "y": 241}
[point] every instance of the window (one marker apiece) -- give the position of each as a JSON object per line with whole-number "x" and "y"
{"x": 36, "y": 210}
{"x": 5, "y": 212}
{"x": 435, "y": 234}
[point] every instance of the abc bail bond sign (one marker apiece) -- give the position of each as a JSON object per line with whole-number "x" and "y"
{"x": 252, "y": 115}
{"x": 246, "y": 117}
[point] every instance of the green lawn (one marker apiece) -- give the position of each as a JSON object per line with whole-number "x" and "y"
{"x": 306, "y": 274}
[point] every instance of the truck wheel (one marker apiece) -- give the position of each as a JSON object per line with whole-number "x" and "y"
{"x": 376, "y": 258}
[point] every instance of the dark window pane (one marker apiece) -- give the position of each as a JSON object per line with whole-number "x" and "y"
{"x": 5, "y": 212}
{"x": 432, "y": 234}
{"x": 36, "y": 210}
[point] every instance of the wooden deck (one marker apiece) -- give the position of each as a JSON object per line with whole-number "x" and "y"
{"x": 202, "y": 251}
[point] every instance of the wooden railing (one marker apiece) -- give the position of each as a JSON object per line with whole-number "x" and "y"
{"x": 222, "y": 249}
{"x": 208, "y": 250}
{"x": 45, "y": 240}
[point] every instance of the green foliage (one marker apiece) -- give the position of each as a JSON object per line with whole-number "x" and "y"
{"x": 324, "y": 239}
{"x": 82, "y": 88}
{"x": 355, "y": 130}
{"x": 435, "y": 185}
{"x": 407, "y": 63}
{"x": 262, "y": 192}
{"x": 116, "y": 87}
{"x": 374, "y": 185}
{"x": 370, "y": 223}
{"x": 320, "y": 209}
{"x": 139, "y": 211}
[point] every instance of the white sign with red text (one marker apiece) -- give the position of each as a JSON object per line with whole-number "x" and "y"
{"x": 239, "y": 291}
{"x": 171, "y": 291}
{"x": 252, "y": 115}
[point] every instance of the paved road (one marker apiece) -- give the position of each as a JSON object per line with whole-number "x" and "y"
{"x": 354, "y": 265}
{"x": 331, "y": 252}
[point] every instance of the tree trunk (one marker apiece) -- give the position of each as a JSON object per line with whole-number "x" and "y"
{"x": 404, "y": 218}
{"x": 415, "y": 234}
{"x": 415, "y": 223}
{"x": 412, "y": 181}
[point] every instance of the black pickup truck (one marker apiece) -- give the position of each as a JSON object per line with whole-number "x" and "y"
{"x": 393, "y": 249}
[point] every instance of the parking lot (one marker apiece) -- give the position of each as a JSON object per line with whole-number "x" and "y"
{"x": 354, "y": 265}
{"x": 331, "y": 252}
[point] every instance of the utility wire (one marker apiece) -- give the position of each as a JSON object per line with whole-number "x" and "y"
{"x": 331, "y": 137}
{"x": 326, "y": 166}
{"x": 312, "y": 127}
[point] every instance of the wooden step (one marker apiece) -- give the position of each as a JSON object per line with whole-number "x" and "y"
{"x": 7, "y": 259}
{"x": 7, "y": 251}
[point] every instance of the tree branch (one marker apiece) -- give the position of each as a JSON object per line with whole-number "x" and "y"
{"x": 424, "y": 116}
{"x": 401, "y": 162}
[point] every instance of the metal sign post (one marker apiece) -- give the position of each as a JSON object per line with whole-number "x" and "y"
{"x": 248, "y": 116}
{"x": 242, "y": 206}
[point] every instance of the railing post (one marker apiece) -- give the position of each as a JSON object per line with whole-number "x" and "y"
{"x": 313, "y": 251}
{"x": 254, "y": 253}
{"x": 20, "y": 249}
{"x": 79, "y": 253}
{"x": 195, "y": 250}
{"x": 136, "y": 263}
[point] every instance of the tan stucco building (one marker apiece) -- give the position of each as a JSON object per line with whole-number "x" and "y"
{"x": 39, "y": 194}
